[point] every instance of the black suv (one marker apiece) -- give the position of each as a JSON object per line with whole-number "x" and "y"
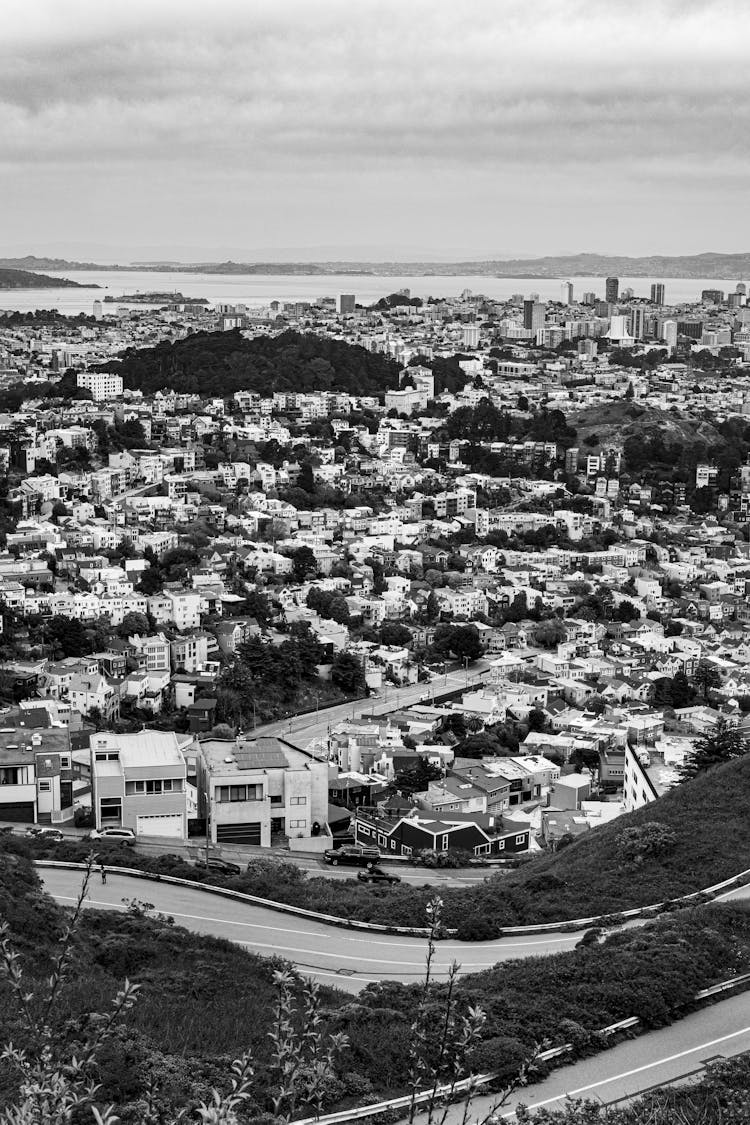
{"x": 359, "y": 855}
{"x": 215, "y": 863}
{"x": 377, "y": 875}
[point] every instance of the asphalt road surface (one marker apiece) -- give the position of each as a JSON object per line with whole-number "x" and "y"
{"x": 349, "y": 958}
{"x": 676, "y": 1053}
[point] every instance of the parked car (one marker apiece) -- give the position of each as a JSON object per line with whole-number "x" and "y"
{"x": 216, "y": 863}
{"x": 53, "y": 835}
{"x": 359, "y": 855}
{"x": 377, "y": 875}
{"x": 116, "y": 835}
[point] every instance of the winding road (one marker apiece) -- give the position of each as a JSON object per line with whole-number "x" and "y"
{"x": 352, "y": 959}
{"x": 349, "y": 958}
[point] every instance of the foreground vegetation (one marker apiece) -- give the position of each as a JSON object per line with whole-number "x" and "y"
{"x": 204, "y": 1002}
{"x": 695, "y": 836}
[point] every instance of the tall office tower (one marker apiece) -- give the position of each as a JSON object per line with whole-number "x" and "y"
{"x": 588, "y": 299}
{"x": 638, "y": 323}
{"x": 98, "y": 307}
{"x": 566, "y": 293}
{"x": 669, "y": 334}
{"x": 611, "y": 290}
{"x": 533, "y": 315}
{"x": 657, "y": 293}
{"x": 471, "y": 335}
{"x": 346, "y": 304}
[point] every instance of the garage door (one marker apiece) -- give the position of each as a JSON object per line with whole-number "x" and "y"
{"x": 238, "y": 834}
{"x": 18, "y": 811}
{"x": 170, "y": 826}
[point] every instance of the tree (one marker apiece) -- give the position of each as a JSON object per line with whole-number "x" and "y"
{"x": 549, "y": 633}
{"x": 626, "y": 612}
{"x": 537, "y": 720}
{"x": 432, "y": 607}
{"x": 66, "y": 635}
{"x": 466, "y": 643}
{"x": 306, "y": 479}
{"x": 348, "y": 674}
{"x": 717, "y": 746}
{"x": 395, "y": 634}
{"x": 416, "y": 778}
{"x": 706, "y": 678}
{"x": 303, "y": 563}
{"x": 133, "y": 623}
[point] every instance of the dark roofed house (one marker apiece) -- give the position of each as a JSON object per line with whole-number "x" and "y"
{"x": 478, "y": 833}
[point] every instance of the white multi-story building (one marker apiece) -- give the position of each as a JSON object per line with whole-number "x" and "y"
{"x": 102, "y": 384}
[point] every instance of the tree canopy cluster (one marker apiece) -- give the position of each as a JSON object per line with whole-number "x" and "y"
{"x": 220, "y": 363}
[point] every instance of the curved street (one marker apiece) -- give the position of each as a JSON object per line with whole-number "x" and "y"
{"x": 349, "y": 958}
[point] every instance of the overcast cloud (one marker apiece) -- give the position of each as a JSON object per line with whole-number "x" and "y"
{"x": 480, "y": 127}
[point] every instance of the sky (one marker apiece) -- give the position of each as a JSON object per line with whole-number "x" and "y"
{"x": 394, "y": 129}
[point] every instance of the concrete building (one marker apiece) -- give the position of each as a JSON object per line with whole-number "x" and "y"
{"x": 102, "y": 384}
{"x": 250, "y": 788}
{"x": 139, "y": 782}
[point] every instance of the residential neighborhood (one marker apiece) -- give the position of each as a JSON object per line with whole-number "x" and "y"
{"x": 523, "y": 559}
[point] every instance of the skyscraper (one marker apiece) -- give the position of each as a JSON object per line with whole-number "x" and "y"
{"x": 566, "y": 293}
{"x": 533, "y": 315}
{"x": 638, "y": 323}
{"x": 657, "y": 293}
{"x": 669, "y": 334}
{"x": 612, "y": 290}
{"x": 346, "y": 304}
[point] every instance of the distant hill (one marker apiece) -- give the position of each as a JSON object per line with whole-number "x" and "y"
{"x": 220, "y": 363}
{"x": 23, "y": 279}
{"x": 710, "y": 265}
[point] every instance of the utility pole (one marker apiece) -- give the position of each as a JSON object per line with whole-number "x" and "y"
{"x": 208, "y": 811}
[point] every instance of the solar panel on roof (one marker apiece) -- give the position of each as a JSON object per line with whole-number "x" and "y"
{"x": 260, "y": 759}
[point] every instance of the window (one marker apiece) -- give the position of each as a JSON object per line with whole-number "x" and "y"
{"x": 363, "y": 830}
{"x": 45, "y": 786}
{"x": 393, "y": 845}
{"x": 107, "y": 756}
{"x": 520, "y": 839}
{"x": 298, "y": 824}
{"x": 501, "y": 846}
{"x": 225, "y": 794}
{"x": 277, "y": 800}
{"x": 64, "y": 762}
{"x": 298, "y": 800}
{"x": 482, "y": 849}
{"x": 381, "y": 841}
{"x": 405, "y": 850}
{"x": 444, "y": 845}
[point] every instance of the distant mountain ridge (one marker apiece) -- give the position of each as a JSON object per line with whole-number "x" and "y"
{"x": 709, "y": 265}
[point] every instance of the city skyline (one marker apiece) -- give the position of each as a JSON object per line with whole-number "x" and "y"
{"x": 292, "y": 129}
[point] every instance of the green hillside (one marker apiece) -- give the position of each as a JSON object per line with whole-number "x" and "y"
{"x": 24, "y": 279}
{"x": 204, "y": 1001}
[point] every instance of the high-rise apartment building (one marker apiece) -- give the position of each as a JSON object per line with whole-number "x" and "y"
{"x": 638, "y": 323}
{"x": 611, "y": 290}
{"x": 566, "y": 293}
{"x": 533, "y": 315}
{"x": 657, "y": 293}
{"x": 471, "y": 336}
{"x": 669, "y": 334}
{"x": 346, "y": 304}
